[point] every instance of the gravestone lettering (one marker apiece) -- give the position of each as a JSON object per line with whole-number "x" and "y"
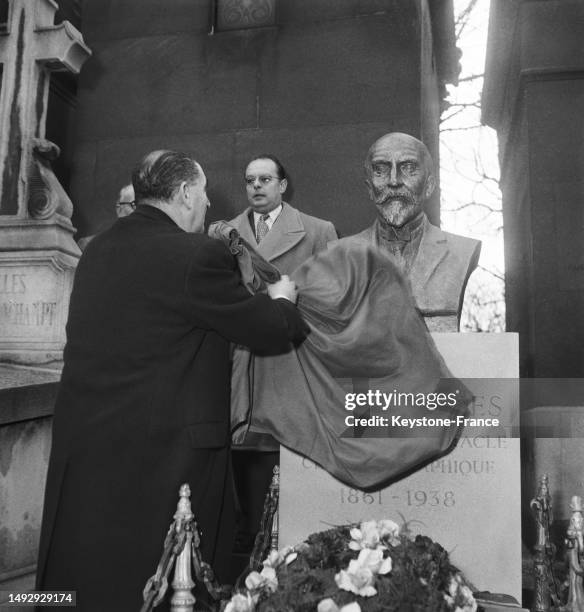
{"x": 468, "y": 500}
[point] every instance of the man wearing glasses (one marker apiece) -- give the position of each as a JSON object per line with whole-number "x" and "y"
{"x": 285, "y": 237}
{"x": 126, "y": 201}
{"x": 125, "y": 206}
{"x": 282, "y": 234}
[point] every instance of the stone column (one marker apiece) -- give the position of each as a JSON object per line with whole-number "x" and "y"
{"x": 37, "y": 252}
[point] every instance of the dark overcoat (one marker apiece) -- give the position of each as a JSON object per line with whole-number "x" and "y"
{"x": 143, "y": 405}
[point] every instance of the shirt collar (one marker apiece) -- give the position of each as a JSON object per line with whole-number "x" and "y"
{"x": 272, "y": 215}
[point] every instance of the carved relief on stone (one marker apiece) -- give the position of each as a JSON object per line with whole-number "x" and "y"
{"x": 240, "y": 14}
{"x": 46, "y": 196}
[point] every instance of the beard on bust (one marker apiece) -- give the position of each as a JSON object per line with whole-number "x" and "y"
{"x": 396, "y": 208}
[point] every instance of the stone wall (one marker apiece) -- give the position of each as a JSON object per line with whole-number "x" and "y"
{"x": 534, "y": 95}
{"x": 316, "y": 89}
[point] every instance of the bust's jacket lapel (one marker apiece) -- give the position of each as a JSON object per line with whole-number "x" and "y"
{"x": 434, "y": 246}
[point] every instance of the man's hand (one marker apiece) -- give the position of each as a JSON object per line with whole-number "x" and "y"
{"x": 284, "y": 288}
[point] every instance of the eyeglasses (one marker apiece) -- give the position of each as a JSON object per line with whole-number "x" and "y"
{"x": 132, "y": 205}
{"x": 265, "y": 179}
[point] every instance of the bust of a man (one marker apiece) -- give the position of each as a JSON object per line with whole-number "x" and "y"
{"x": 399, "y": 173}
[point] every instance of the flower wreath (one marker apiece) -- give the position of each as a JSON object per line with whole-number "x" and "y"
{"x": 371, "y": 567}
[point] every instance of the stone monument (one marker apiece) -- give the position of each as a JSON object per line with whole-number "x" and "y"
{"x": 37, "y": 253}
{"x": 37, "y": 260}
{"x": 469, "y": 500}
{"x": 400, "y": 180}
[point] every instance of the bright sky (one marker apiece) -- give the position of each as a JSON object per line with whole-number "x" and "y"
{"x": 469, "y": 152}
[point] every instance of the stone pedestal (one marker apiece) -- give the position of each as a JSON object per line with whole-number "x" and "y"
{"x": 27, "y": 397}
{"x": 469, "y": 500}
{"x": 37, "y": 264}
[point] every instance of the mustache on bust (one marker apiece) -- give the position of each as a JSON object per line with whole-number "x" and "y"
{"x": 383, "y": 195}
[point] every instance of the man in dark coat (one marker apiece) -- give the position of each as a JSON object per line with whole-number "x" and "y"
{"x": 143, "y": 404}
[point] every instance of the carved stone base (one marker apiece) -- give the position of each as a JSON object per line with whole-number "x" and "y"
{"x": 37, "y": 264}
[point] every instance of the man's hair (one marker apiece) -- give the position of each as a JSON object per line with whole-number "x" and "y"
{"x": 159, "y": 174}
{"x": 280, "y": 168}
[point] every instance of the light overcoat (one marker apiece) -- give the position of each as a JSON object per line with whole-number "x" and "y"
{"x": 294, "y": 237}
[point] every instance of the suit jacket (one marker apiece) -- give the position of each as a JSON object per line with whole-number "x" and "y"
{"x": 439, "y": 273}
{"x": 143, "y": 405}
{"x": 293, "y": 238}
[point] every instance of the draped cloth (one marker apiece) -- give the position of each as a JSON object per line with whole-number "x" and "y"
{"x": 366, "y": 334}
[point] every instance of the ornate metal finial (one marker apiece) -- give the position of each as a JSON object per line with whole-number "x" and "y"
{"x": 575, "y": 546}
{"x": 183, "y": 508}
{"x": 576, "y": 504}
{"x": 544, "y": 550}
{"x": 182, "y": 545}
{"x": 275, "y": 495}
{"x": 182, "y": 599}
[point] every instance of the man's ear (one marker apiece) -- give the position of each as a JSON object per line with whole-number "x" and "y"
{"x": 184, "y": 193}
{"x": 283, "y": 185}
{"x": 430, "y": 186}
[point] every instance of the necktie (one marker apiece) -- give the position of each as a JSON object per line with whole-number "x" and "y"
{"x": 262, "y": 228}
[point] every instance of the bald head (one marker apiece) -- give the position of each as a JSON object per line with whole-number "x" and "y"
{"x": 399, "y": 176}
{"x": 406, "y": 144}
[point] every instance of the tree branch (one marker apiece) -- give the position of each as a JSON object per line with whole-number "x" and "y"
{"x": 461, "y": 129}
{"x": 492, "y": 273}
{"x": 471, "y": 77}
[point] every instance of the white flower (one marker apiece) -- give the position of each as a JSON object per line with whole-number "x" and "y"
{"x": 359, "y": 577}
{"x": 460, "y": 595}
{"x": 374, "y": 561}
{"x": 365, "y": 536}
{"x": 273, "y": 559}
{"x": 253, "y": 581}
{"x": 371, "y": 533}
{"x": 356, "y": 579}
{"x": 266, "y": 579}
{"x": 390, "y": 530}
{"x": 276, "y": 558}
{"x": 291, "y": 557}
{"x": 240, "y": 603}
{"x": 328, "y": 605}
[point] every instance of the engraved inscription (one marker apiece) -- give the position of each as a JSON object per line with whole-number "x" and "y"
{"x": 37, "y": 314}
{"x": 482, "y": 442}
{"x": 12, "y": 283}
{"x": 486, "y": 406}
{"x": 354, "y": 496}
{"x": 464, "y": 467}
{"x": 431, "y": 498}
{"x": 411, "y": 497}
